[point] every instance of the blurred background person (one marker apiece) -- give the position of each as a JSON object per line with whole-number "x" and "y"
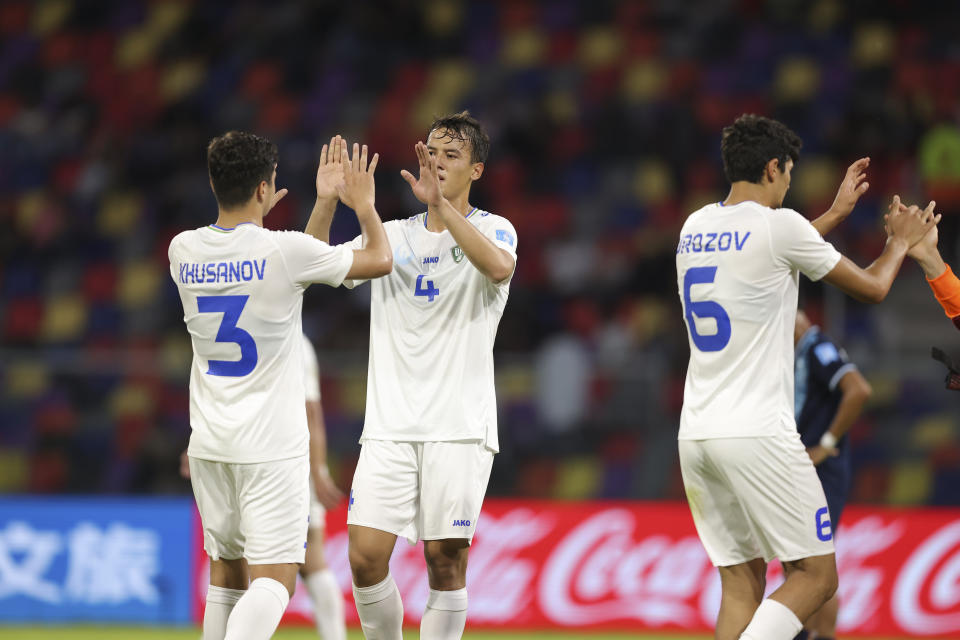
{"x": 830, "y": 393}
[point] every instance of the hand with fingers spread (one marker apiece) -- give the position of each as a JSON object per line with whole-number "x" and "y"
{"x": 853, "y": 186}
{"x": 910, "y": 223}
{"x": 330, "y": 170}
{"x": 427, "y": 187}
{"x": 357, "y": 190}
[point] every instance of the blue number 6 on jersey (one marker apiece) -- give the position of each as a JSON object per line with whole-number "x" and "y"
{"x": 705, "y": 309}
{"x": 231, "y": 307}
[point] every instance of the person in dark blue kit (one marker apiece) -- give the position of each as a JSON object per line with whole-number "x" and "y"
{"x": 828, "y": 398}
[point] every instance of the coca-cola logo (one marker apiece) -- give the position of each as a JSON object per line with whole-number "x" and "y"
{"x": 926, "y": 598}
{"x": 600, "y": 573}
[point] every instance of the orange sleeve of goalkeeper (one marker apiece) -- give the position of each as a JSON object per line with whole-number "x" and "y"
{"x": 946, "y": 289}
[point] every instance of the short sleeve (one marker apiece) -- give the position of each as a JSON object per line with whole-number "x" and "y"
{"x": 828, "y": 363}
{"x": 798, "y": 245}
{"x": 354, "y": 245}
{"x": 310, "y": 260}
{"x": 502, "y": 234}
{"x": 311, "y": 372}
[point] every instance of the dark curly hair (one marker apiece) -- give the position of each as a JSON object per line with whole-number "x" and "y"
{"x": 463, "y": 126}
{"x": 238, "y": 162}
{"x": 751, "y": 142}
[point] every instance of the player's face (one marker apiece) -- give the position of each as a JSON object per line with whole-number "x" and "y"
{"x": 454, "y": 168}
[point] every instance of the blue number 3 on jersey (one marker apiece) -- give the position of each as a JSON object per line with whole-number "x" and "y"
{"x": 231, "y": 307}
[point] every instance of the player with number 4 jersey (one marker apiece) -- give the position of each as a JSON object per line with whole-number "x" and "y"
{"x": 431, "y": 422}
{"x": 242, "y": 290}
{"x": 752, "y": 489}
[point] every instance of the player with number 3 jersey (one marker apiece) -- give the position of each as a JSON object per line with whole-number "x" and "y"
{"x": 242, "y": 290}
{"x": 430, "y": 430}
{"x": 752, "y": 489}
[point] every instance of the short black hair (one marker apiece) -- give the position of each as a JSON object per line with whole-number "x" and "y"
{"x": 751, "y": 142}
{"x": 237, "y": 163}
{"x": 463, "y": 126}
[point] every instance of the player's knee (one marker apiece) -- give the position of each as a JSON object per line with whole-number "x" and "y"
{"x": 368, "y": 568}
{"x": 446, "y": 563}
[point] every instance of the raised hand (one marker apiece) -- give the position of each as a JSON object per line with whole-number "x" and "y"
{"x": 426, "y": 188}
{"x": 853, "y": 186}
{"x": 277, "y": 197}
{"x": 357, "y": 189}
{"x": 910, "y": 223}
{"x": 330, "y": 171}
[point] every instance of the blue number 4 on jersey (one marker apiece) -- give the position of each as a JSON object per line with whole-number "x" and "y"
{"x": 430, "y": 291}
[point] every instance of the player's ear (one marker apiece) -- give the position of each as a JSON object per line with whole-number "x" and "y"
{"x": 477, "y": 171}
{"x": 262, "y": 191}
{"x": 770, "y": 171}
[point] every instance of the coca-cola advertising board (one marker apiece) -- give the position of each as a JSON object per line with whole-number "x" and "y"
{"x": 636, "y": 566}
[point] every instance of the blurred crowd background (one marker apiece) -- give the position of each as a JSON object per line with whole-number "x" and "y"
{"x": 604, "y": 119}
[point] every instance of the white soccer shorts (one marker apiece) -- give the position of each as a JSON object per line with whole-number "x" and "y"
{"x": 254, "y": 511}
{"x": 420, "y": 490}
{"x": 755, "y": 498}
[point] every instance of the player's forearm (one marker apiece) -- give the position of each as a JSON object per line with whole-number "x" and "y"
{"x": 849, "y": 409}
{"x": 376, "y": 258}
{"x": 489, "y": 259}
{"x": 882, "y": 272}
{"x": 828, "y": 221}
{"x": 321, "y": 217}
{"x": 946, "y": 289}
{"x": 932, "y": 264}
{"x": 318, "y": 438}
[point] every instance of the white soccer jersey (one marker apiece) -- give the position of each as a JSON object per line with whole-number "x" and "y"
{"x": 242, "y": 293}
{"x": 311, "y": 372}
{"x": 737, "y": 275}
{"x": 433, "y": 321}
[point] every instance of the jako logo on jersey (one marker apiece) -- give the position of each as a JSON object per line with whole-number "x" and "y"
{"x": 461, "y": 523}
{"x": 711, "y": 242}
{"x": 431, "y": 260}
{"x": 457, "y": 254}
{"x": 505, "y": 236}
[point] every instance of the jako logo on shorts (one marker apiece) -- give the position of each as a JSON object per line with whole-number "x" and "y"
{"x": 461, "y": 523}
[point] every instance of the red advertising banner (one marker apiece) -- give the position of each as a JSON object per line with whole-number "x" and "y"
{"x": 640, "y": 566}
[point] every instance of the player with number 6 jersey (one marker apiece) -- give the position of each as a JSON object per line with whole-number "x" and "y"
{"x": 753, "y": 491}
{"x": 242, "y": 291}
{"x": 430, "y": 431}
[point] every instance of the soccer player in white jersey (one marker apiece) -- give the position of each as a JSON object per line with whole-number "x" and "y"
{"x": 430, "y": 428}
{"x": 320, "y": 581}
{"x": 242, "y": 287}
{"x": 752, "y": 489}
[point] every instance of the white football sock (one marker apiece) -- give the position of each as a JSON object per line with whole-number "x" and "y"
{"x": 772, "y": 621}
{"x": 257, "y": 614}
{"x": 327, "y": 604}
{"x": 220, "y": 602}
{"x": 380, "y": 610}
{"x": 445, "y": 615}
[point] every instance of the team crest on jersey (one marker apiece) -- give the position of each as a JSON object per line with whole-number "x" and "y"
{"x": 457, "y": 254}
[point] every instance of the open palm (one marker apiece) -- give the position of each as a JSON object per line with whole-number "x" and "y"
{"x": 330, "y": 171}
{"x": 426, "y": 188}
